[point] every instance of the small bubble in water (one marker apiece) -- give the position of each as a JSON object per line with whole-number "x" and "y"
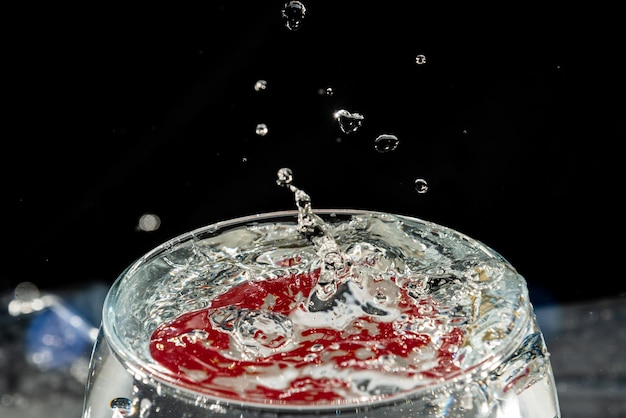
{"x": 285, "y": 176}
{"x": 348, "y": 122}
{"x": 421, "y": 185}
{"x": 386, "y": 142}
{"x": 380, "y": 296}
{"x": 293, "y": 13}
{"x": 123, "y": 405}
{"x": 262, "y": 129}
{"x": 420, "y": 59}
{"x": 260, "y": 85}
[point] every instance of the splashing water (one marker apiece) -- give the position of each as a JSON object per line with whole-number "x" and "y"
{"x": 348, "y": 122}
{"x": 335, "y": 310}
{"x": 293, "y": 14}
{"x": 335, "y": 268}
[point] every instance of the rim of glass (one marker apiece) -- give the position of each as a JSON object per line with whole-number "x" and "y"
{"x": 140, "y": 368}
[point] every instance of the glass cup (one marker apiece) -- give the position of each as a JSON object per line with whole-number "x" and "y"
{"x": 374, "y": 315}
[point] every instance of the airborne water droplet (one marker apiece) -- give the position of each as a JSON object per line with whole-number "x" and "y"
{"x": 420, "y": 59}
{"x": 328, "y": 91}
{"x": 285, "y": 176}
{"x": 348, "y": 122}
{"x": 262, "y": 129}
{"x": 293, "y": 13}
{"x": 260, "y": 85}
{"x": 421, "y": 185}
{"x": 386, "y": 142}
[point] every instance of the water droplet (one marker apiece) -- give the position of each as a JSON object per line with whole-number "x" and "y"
{"x": 348, "y": 122}
{"x": 285, "y": 176}
{"x": 260, "y": 85}
{"x": 293, "y": 13}
{"x": 386, "y": 142}
{"x": 420, "y": 59}
{"x": 421, "y": 185}
{"x": 149, "y": 222}
{"x": 123, "y": 406}
{"x": 262, "y": 129}
{"x": 328, "y": 91}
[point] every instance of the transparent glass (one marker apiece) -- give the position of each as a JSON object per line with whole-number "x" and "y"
{"x": 498, "y": 367}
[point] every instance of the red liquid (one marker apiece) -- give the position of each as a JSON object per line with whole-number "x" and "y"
{"x": 202, "y": 363}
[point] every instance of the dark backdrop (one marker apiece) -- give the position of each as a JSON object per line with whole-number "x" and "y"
{"x": 516, "y": 120}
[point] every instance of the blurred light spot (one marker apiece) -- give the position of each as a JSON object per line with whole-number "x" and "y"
{"x": 420, "y": 59}
{"x": 93, "y": 334}
{"x": 149, "y": 222}
{"x": 76, "y": 321}
{"x": 80, "y": 369}
{"x": 27, "y": 300}
{"x": 26, "y": 291}
{"x": 145, "y": 406}
{"x": 6, "y": 400}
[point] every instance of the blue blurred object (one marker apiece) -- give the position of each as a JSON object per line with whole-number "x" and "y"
{"x": 58, "y": 336}
{"x": 46, "y": 339}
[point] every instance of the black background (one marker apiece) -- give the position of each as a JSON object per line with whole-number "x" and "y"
{"x": 516, "y": 121}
